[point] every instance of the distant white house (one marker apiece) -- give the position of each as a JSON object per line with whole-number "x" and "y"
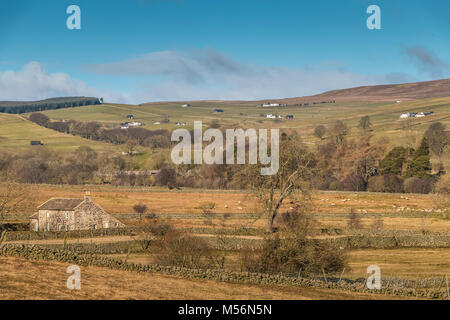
{"x": 420, "y": 115}
{"x": 157, "y": 122}
{"x": 187, "y": 105}
{"x": 271, "y": 116}
{"x": 270, "y": 105}
{"x": 405, "y": 115}
{"x": 415, "y": 114}
{"x": 135, "y": 124}
{"x": 127, "y": 125}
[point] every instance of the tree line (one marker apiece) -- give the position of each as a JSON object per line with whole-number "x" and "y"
{"x": 49, "y": 104}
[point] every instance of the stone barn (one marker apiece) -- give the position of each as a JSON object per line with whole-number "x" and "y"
{"x": 63, "y": 214}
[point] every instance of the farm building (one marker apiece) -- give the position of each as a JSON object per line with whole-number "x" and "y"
{"x": 64, "y": 214}
{"x": 185, "y": 105}
{"x": 407, "y": 115}
{"x": 269, "y": 105}
{"x": 415, "y": 114}
{"x": 135, "y": 124}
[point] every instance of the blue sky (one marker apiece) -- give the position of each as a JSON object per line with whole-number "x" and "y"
{"x": 149, "y": 50}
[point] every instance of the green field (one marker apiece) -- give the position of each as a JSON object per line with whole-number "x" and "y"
{"x": 16, "y": 132}
{"x": 384, "y": 116}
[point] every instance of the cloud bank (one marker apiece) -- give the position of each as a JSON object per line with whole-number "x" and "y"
{"x": 208, "y": 74}
{"x": 32, "y": 82}
{"x": 202, "y": 75}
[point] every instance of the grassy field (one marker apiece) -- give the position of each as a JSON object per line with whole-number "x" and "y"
{"x": 17, "y": 132}
{"x": 23, "y": 279}
{"x": 183, "y": 208}
{"x": 384, "y": 116}
{"x": 409, "y": 263}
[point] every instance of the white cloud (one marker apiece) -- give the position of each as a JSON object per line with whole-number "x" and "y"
{"x": 32, "y": 82}
{"x": 178, "y": 75}
{"x": 207, "y": 74}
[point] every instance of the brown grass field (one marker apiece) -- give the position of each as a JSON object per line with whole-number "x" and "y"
{"x": 399, "y": 211}
{"x": 23, "y": 279}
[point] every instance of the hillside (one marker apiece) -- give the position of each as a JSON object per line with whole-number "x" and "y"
{"x": 16, "y": 133}
{"x": 377, "y": 93}
{"x": 406, "y": 91}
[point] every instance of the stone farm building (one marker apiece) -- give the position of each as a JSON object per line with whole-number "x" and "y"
{"x": 63, "y": 214}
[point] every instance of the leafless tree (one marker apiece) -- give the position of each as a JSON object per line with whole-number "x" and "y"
{"x": 14, "y": 198}
{"x": 140, "y": 209}
{"x": 291, "y": 180}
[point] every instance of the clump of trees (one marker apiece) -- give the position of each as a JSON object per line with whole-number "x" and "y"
{"x": 360, "y": 165}
{"x": 49, "y": 104}
{"x": 290, "y": 250}
{"x": 179, "y": 248}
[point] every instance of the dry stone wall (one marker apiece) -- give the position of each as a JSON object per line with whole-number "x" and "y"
{"x": 390, "y": 287}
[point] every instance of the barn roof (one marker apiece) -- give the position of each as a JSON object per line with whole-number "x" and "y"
{"x": 61, "y": 204}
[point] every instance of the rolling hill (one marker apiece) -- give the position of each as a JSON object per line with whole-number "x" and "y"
{"x": 376, "y": 93}
{"x": 393, "y": 92}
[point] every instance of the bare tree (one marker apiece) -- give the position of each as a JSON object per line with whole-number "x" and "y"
{"x": 14, "y": 198}
{"x": 338, "y": 132}
{"x": 140, "y": 209}
{"x": 291, "y": 180}
{"x": 320, "y": 131}
{"x": 354, "y": 221}
{"x": 364, "y": 123}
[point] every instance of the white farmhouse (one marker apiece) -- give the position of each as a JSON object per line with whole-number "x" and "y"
{"x": 405, "y": 115}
